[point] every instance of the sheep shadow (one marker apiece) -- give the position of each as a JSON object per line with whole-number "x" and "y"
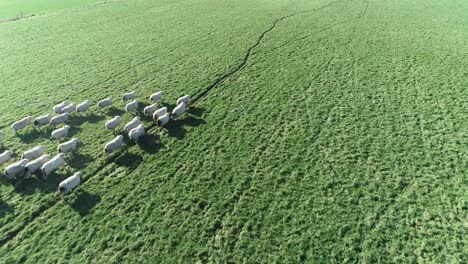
{"x": 196, "y": 111}
{"x": 37, "y": 184}
{"x": 176, "y": 128}
{"x": 78, "y": 160}
{"x": 114, "y": 111}
{"x": 74, "y": 130}
{"x": 32, "y": 135}
{"x": 129, "y": 160}
{"x": 150, "y": 143}
{"x": 5, "y": 209}
{"x": 78, "y": 120}
{"x": 84, "y": 202}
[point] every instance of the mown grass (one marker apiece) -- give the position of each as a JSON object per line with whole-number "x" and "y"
{"x": 343, "y": 138}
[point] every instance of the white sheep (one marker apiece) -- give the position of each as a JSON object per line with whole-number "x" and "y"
{"x": 32, "y": 166}
{"x": 156, "y": 96}
{"x": 160, "y": 112}
{"x": 162, "y": 120}
{"x": 21, "y": 124}
{"x": 16, "y": 169}
{"x": 42, "y": 120}
{"x": 185, "y": 99}
{"x": 58, "y": 107}
{"x": 5, "y": 156}
{"x": 59, "y": 119}
{"x": 132, "y": 106}
{"x": 150, "y": 109}
{"x": 132, "y": 124}
{"x": 33, "y": 153}
{"x": 68, "y": 146}
{"x": 113, "y": 123}
{"x": 83, "y": 107}
{"x": 69, "y": 183}
{"x": 179, "y": 110}
{"x": 60, "y": 132}
{"x": 53, "y": 164}
{"x": 129, "y": 96}
{"x": 105, "y": 102}
{"x": 69, "y": 108}
{"x": 136, "y": 133}
{"x": 114, "y": 144}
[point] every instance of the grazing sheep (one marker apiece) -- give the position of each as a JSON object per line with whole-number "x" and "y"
{"x": 129, "y": 96}
{"x": 114, "y": 144}
{"x": 156, "y": 96}
{"x": 16, "y": 169}
{"x": 69, "y": 108}
{"x": 53, "y": 164}
{"x": 160, "y": 112}
{"x": 69, "y": 183}
{"x": 132, "y": 124}
{"x": 113, "y": 123}
{"x": 132, "y": 106}
{"x": 83, "y": 107}
{"x": 59, "y": 119}
{"x": 150, "y": 109}
{"x": 58, "y": 108}
{"x": 180, "y": 109}
{"x": 105, "y": 102}
{"x": 136, "y": 133}
{"x": 5, "y": 156}
{"x": 32, "y": 166}
{"x": 185, "y": 99}
{"x": 162, "y": 120}
{"x": 42, "y": 120}
{"x": 68, "y": 146}
{"x": 33, "y": 153}
{"x": 21, "y": 124}
{"x": 61, "y": 132}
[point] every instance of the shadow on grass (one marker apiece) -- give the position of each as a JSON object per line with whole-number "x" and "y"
{"x": 77, "y": 160}
{"x": 150, "y": 143}
{"x": 31, "y": 135}
{"x": 129, "y": 160}
{"x": 114, "y": 111}
{"x": 79, "y": 119}
{"x": 37, "y": 184}
{"x": 5, "y": 209}
{"x": 176, "y": 128}
{"x": 84, "y": 202}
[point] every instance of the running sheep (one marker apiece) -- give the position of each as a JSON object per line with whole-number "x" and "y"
{"x": 113, "y": 123}
{"x": 5, "y": 156}
{"x": 69, "y": 183}
{"x": 16, "y": 169}
{"x": 18, "y": 125}
{"x": 185, "y": 99}
{"x": 163, "y": 120}
{"x": 156, "y": 96}
{"x": 132, "y": 124}
{"x": 68, "y": 146}
{"x": 59, "y": 119}
{"x": 83, "y": 107}
{"x": 136, "y": 133}
{"x": 32, "y": 166}
{"x": 150, "y": 109}
{"x": 105, "y": 102}
{"x": 160, "y": 112}
{"x": 33, "y": 153}
{"x": 58, "y": 107}
{"x": 179, "y": 110}
{"x": 53, "y": 164}
{"x": 128, "y": 96}
{"x": 114, "y": 144}
{"x": 42, "y": 120}
{"x": 69, "y": 108}
{"x": 132, "y": 106}
{"x": 60, "y": 133}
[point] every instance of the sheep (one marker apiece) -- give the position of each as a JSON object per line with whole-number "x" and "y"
{"x": 162, "y": 120}
{"x": 179, "y": 110}
{"x": 33, "y": 153}
{"x": 59, "y": 119}
{"x": 42, "y": 120}
{"x": 53, "y": 164}
{"x": 185, "y": 99}
{"x": 69, "y": 183}
{"x": 128, "y": 96}
{"x": 60, "y": 133}
{"x": 160, "y": 112}
{"x": 113, "y": 123}
{"x": 132, "y": 124}
{"x": 150, "y": 109}
{"x": 21, "y": 124}
{"x": 5, "y": 156}
{"x": 136, "y": 133}
{"x": 69, "y": 108}
{"x": 32, "y": 166}
{"x": 105, "y": 102}
{"x": 156, "y": 96}
{"x": 83, "y": 107}
{"x": 132, "y": 106}
{"x": 58, "y": 108}
{"x": 68, "y": 146}
{"x": 16, "y": 169}
{"x": 114, "y": 144}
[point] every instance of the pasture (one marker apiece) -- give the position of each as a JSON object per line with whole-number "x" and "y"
{"x": 319, "y": 131}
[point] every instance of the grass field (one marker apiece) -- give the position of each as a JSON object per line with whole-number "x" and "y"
{"x": 321, "y": 131}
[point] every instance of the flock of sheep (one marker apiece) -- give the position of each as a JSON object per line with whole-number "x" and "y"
{"x": 34, "y": 159}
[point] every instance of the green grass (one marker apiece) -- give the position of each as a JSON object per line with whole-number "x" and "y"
{"x": 13, "y": 8}
{"x": 342, "y": 138}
